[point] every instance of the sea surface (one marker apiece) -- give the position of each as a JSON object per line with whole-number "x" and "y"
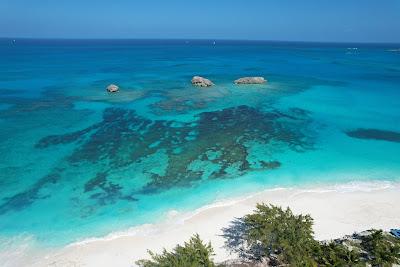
{"x": 78, "y": 162}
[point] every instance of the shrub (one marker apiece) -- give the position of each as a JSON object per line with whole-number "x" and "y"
{"x": 334, "y": 254}
{"x": 285, "y": 238}
{"x": 193, "y": 254}
{"x": 381, "y": 250}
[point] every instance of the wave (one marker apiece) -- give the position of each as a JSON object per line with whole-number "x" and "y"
{"x": 174, "y": 217}
{"x": 355, "y": 186}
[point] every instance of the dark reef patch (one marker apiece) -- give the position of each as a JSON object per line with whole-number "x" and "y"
{"x": 64, "y": 139}
{"x": 375, "y": 134}
{"x": 52, "y": 99}
{"x": 166, "y": 154}
{"x": 219, "y": 139}
{"x": 225, "y": 135}
{"x": 105, "y": 192}
{"x": 270, "y": 164}
{"x": 8, "y": 93}
{"x": 26, "y": 198}
{"x": 126, "y": 155}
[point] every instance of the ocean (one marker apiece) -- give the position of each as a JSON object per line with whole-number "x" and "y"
{"x": 78, "y": 162}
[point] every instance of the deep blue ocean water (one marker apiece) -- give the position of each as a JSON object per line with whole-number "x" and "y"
{"x": 77, "y": 162}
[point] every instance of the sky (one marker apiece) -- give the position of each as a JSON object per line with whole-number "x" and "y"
{"x": 282, "y": 20}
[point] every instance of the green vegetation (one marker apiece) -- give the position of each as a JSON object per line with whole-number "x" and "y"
{"x": 381, "y": 249}
{"x": 277, "y": 237}
{"x": 193, "y": 254}
{"x": 284, "y": 237}
{"x": 334, "y": 254}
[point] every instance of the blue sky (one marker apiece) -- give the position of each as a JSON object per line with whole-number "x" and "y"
{"x": 306, "y": 20}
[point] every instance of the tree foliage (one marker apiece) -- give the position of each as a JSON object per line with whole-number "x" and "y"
{"x": 193, "y": 254}
{"x": 381, "y": 250}
{"x": 285, "y": 238}
{"x": 337, "y": 255}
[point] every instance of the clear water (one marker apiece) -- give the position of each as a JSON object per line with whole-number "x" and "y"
{"x": 77, "y": 162}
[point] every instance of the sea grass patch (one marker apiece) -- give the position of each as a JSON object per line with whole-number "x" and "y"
{"x": 375, "y": 134}
{"x": 218, "y": 138}
{"x": 167, "y": 154}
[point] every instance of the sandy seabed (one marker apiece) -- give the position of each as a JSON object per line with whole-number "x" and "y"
{"x": 337, "y": 210}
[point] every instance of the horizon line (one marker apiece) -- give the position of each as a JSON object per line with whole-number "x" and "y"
{"x": 195, "y": 39}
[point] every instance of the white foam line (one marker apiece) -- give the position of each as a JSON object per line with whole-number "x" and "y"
{"x": 146, "y": 229}
{"x": 226, "y": 203}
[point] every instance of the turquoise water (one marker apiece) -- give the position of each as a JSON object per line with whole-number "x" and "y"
{"x": 77, "y": 162}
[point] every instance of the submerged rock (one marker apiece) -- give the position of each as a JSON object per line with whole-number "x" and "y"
{"x": 251, "y": 80}
{"x": 375, "y": 134}
{"x": 201, "y": 82}
{"x": 112, "y": 88}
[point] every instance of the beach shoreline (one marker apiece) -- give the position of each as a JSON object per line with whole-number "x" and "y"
{"x": 337, "y": 210}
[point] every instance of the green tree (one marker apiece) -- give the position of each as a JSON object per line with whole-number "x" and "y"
{"x": 285, "y": 238}
{"x": 193, "y": 254}
{"x": 381, "y": 250}
{"x": 337, "y": 255}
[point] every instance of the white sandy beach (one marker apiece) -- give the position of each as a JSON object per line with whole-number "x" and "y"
{"x": 337, "y": 210}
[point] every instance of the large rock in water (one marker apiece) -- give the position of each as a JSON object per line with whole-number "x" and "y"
{"x": 202, "y": 82}
{"x": 251, "y": 80}
{"x": 112, "y": 88}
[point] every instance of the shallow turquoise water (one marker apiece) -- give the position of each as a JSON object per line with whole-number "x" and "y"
{"x": 77, "y": 162}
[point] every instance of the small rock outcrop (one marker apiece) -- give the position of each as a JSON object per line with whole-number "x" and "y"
{"x": 112, "y": 88}
{"x": 201, "y": 82}
{"x": 251, "y": 80}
